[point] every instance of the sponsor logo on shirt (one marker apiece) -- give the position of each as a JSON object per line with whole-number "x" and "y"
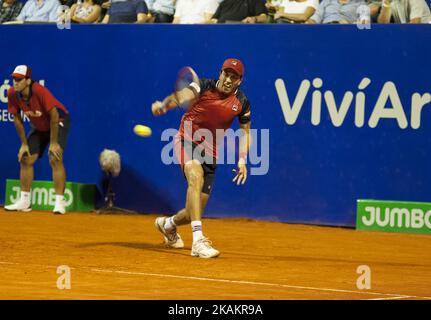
{"x": 33, "y": 114}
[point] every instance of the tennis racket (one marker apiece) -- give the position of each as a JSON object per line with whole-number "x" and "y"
{"x": 186, "y": 78}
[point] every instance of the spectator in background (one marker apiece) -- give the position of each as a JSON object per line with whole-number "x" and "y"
{"x": 85, "y": 12}
{"x": 194, "y": 11}
{"x": 247, "y": 11}
{"x": 126, "y": 11}
{"x": 105, "y": 7}
{"x": 161, "y": 11}
{"x": 374, "y": 6}
{"x": 336, "y": 11}
{"x": 404, "y": 11}
{"x": 107, "y": 4}
{"x": 295, "y": 11}
{"x": 9, "y": 10}
{"x": 39, "y": 11}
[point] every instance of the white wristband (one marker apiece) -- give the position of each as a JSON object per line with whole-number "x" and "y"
{"x": 195, "y": 86}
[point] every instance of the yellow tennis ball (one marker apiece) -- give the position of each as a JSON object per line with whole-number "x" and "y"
{"x": 142, "y": 131}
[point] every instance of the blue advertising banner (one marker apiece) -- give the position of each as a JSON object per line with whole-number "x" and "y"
{"x": 341, "y": 113}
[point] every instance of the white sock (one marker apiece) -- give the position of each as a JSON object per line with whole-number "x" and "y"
{"x": 59, "y": 199}
{"x": 197, "y": 230}
{"x": 169, "y": 223}
{"x": 26, "y": 196}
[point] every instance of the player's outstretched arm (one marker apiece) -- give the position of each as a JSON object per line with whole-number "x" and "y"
{"x": 172, "y": 101}
{"x": 161, "y": 107}
{"x": 244, "y": 146}
{"x": 186, "y": 95}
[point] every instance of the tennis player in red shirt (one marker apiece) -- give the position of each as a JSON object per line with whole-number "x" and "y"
{"x": 214, "y": 105}
{"x": 49, "y": 121}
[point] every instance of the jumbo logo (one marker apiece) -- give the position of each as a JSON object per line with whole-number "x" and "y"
{"x": 388, "y": 93}
{"x": 397, "y": 217}
{"x": 42, "y": 196}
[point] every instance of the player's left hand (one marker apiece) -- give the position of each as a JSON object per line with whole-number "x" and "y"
{"x": 56, "y": 151}
{"x": 24, "y": 151}
{"x": 241, "y": 174}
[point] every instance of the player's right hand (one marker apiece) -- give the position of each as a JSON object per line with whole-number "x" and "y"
{"x": 158, "y": 109}
{"x": 241, "y": 173}
{"x": 24, "y": 151}
{"x": 55, "y": 151}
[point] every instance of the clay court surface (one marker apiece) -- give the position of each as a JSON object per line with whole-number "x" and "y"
{"x": 122, "y": 257}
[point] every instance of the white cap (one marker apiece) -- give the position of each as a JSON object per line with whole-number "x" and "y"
{"x": 22, "y": 71}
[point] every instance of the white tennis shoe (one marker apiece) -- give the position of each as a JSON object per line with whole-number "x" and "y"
{"x": 59, "y": 208}
{"x": 20, "y": 205}
{"x": 203, "y": 249}
{"x": 172, "y": 237}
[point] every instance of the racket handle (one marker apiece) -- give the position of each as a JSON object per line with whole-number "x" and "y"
{"x": 164, "y": 108}
{"x": 159, "y": 110}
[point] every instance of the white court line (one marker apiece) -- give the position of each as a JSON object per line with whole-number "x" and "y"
{"x": 392, "y": 296}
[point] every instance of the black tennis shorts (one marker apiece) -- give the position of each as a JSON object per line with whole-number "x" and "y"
{"x": 209, "y": 168}
{"x": 39, "y": 140}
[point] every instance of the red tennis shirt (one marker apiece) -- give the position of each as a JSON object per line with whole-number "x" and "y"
{"x": 37, "y": 108}
{"x": 213, "y": 110}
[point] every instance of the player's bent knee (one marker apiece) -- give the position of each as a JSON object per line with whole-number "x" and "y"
{"x": 28, "y": 161}
{"x": 193, "y": 167}
{"x": 54, "y": 162}
{"x": 192, "y": 164}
